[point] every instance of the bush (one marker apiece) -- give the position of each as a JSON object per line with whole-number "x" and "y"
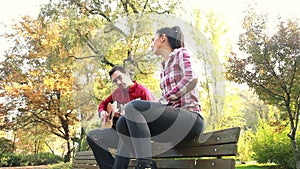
{"x": 244, "y": 146}
{"x": 10, "y": 159}
{"x": 6, "y": 146}
{"x": 271, "y": 145}
{"x": 42, "y": 159}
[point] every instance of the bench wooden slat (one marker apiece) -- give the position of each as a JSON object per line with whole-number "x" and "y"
{"x": 197, "y": 164}
{"x": 85, "y": 161}
{"x": 84, "y": 166}
{"x": 205, "y": 151}
{"x": 225, "y": 136}
{"x": 84, "y": 153}
{"x": 87, "y": 157}
{"x": 180, "y": 164}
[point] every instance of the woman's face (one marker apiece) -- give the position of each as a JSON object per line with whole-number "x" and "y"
{"x": 156, "y": 44}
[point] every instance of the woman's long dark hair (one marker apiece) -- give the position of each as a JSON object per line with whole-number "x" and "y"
{"x": 174, "y": 34}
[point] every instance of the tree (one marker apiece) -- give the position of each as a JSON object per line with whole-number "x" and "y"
{"x": 128, "y": 41}
{"x": 38, "y": 78}
{"x": 271, "y": 67}
{"x": 112, "y": 45}
{"x": 123, "y": 38}
{"x": 212, "y": 75}
{"x": 39, "y": 83}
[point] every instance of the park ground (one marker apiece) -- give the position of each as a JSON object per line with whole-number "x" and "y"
{"x": 56, "y": 166}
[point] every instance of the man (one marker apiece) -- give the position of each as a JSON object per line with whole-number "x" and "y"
{"x": 101, "y": 139}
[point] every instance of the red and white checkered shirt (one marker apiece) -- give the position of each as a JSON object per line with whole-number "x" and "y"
{"x": 175, "y": 76}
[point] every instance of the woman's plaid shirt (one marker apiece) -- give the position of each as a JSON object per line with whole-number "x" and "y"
{"x": 175, "y": 76}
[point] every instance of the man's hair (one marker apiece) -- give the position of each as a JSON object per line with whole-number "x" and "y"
{"x": 117, "y": 68}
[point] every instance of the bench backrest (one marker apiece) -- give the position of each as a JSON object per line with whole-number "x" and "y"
{"x": 212, "y": 144}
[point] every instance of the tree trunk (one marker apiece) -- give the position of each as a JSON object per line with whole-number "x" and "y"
{"x": 69, "y": 152}
{"x": 296, "y": 152}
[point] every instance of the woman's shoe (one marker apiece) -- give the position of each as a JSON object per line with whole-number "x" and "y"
{"x": 146, "y": 164}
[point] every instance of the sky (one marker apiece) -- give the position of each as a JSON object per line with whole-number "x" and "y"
{"x": 231, "y": 10}
{"x": 13, "y": 10}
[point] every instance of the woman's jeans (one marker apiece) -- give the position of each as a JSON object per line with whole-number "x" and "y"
{"x": 146, "y": 121}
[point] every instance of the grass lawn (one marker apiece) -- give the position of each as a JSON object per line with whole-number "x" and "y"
{"x": 255, "y": 166}
{"x": 250, "y": 167}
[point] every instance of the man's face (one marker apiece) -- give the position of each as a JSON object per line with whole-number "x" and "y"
{"x": 120, "y": 79}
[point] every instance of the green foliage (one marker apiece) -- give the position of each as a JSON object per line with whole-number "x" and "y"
{"x": 211, "y": 53}
{"x": 244, "y": 146}
{"x": 86, "y": 127}
{"x": 6, "y": 145}
{"x": 84, "y": 146}
{"x": 271, "y": 145}
{"x": 271, "y": 67}
{"x": 11, "y": 159}
{"x": 272, "y": 62}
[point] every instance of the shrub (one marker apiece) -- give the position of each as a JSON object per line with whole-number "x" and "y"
{"x": 6, "y": 146}
{"x": 271, "y": 145}
{"x": 10, "y": 159}
{"x": 244, "y": 146}
{"x": 44, "y": 158}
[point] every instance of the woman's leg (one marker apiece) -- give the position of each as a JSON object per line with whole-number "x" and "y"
{"x": 133, "y": 144}
{"x": 164, "y": 124}
{"x": 137, "y": 137}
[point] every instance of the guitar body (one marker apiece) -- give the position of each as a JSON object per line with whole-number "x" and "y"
{"x": 113, "y": 111}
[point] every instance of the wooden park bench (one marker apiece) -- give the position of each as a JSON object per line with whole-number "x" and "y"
{"x": 212, "y": 150}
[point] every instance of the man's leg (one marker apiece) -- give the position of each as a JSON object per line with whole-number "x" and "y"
{"x": 100, "y": 140}
{"x": 122, "y": 157}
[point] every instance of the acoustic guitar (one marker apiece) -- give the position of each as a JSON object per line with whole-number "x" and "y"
{"x": 114, "y": 110}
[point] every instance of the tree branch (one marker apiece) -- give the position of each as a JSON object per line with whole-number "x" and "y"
{"x": 94, "y": 49}
{"x": 112, "y": 27}
{"x": 269, "y": 66}
{"x": 163, "y": 12}
{"x": 97, "y": 11}
{"x": 133, "y": 7}
{"x": 94, "y": 11}
{"x": 145, "y": 6}
{"x": 84, "y": 57}
{"x": 125, "y": 6}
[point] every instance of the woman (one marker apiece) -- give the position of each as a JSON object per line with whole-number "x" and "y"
{"x": 177, "y": 117}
